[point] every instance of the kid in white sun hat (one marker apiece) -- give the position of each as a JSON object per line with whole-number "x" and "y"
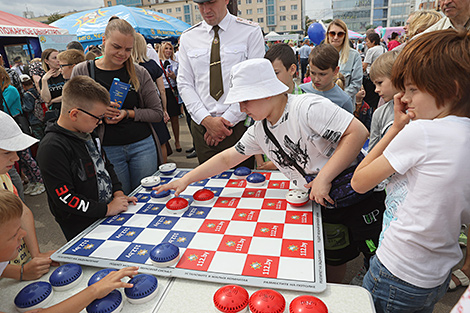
{"x": 323, "y": 139}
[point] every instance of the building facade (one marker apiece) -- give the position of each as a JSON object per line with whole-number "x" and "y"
{"x": 358, "y": 14}
{"x": 281, "y": 16}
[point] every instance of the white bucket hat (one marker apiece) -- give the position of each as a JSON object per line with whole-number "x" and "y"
{"x": 253, "y": 79}
{"x": 11, "y": 136}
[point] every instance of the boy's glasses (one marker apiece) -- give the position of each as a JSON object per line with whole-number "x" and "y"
{"x": 99, "y": 118}
{"x": 64, "y": 65}
{"x": 334, "y": 34}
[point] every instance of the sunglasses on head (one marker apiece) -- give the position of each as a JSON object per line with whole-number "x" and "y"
{"x": 339, "y": 34}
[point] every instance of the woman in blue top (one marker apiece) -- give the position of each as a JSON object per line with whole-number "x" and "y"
{"x": 10, "y": 94}
{"x": 350, "y": 63}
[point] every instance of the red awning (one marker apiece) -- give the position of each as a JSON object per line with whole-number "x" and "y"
{"x": 17, "y": 26}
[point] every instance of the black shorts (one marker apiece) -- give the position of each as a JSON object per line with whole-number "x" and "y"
{"x": 353, "y": 229}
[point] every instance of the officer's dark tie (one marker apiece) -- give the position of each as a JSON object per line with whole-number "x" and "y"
{"x": 216, "y": 85}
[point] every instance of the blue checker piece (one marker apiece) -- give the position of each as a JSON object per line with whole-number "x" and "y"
{"x": 144, "y": 286}
{"x": 163, "y": 222}
{"x": 33, "y": 294}
{"x": 159, "y": 195}
{"x": 181, "y": 174}
{"x": 197, "y": 212}
{"x": 65, "y": 274}
{"x": 151, "y": 208}
{"x": 84, "y": 247}
{"x": 127, "y": 234}
{"x": 142, "y": 197}
{"x": 136, "y": 253}
{"x": 223, "y": 175}
{"x": 100, "y": 275}
{"x": 179, "y": 238}
{"x": 200, "y": 183}
{"x": 117, "y": 219}
{"x": 108, "y": 304}
{"x": 242, "y": 171}
{"x": 256, "y": 178}
{"x": 164, "y": 252}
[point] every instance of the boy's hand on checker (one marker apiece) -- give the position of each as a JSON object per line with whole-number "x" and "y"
{"x": 113, "y": 281}
{"x": 118, "y": 205}
{"x": 178, "y": 186}
{"x": 35, "y": 268}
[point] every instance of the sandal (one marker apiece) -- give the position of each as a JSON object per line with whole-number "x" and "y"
{"x": 462, "y": 278}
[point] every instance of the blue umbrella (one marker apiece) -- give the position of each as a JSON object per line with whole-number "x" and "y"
{"x": 89, "y": 25}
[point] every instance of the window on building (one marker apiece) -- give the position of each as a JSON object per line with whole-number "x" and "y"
{"x": 259, "y": 1}
{"x": 178, "y": 9}
{"x": 187, "y": 9}
{"x": 271, "y": 29}
{"x": 380, "y": 3}
{"x": 249, "y": 19}
{"x": 380, "y": 13}
{"x": 109, "y": 3}
{"x": 160, "y": 11}
{"x": 248, "y": 1}
{"x": 187, "y": 19}
{"x": 180, "y": 18}
{"x": 271, "y": 21}
{"x": 239, "y": 13}
{"x": 282, "y": 17}
{"x": 399, "y": 11}
{"x": 260, "y": 20}
{"x": 239, "y": 2}
{"x": 249, "y": 11}
{"x": 293, "y": 7}
{"x": 259, "y": 10}
{"x": 168, "y": 10}
{"x": 283, "y": 27}
{"x": 294, "y": 27}
{"x": 282, "y": 8}
{"x": 293, "y": 17}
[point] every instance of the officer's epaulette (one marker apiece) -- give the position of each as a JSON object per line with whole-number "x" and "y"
{"x": 247, "y": 22}
{"x": 194, "y": 26}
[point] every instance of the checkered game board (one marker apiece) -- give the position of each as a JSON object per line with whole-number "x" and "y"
{"x": 247, "y": 236}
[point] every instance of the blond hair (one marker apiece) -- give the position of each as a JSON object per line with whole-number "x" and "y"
{"x": 344, "y": 51}
{"x": 122, "y": 26}
{"x": 139, "y": 53}
{"x": 161, "y": 51}
{"x": 422, "y": 20}
{"x": 71, "y": 56}
{"x": 5, "y": 80}
{"x": 382, "y": 67}
{"x": 10, "y": 206}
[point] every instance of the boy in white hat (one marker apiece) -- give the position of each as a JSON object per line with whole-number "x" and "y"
{"x": 12, "y": 139}
{"x": 320, "y": 136}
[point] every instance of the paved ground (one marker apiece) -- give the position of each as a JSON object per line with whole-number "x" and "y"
{"x": 50, "y": 236}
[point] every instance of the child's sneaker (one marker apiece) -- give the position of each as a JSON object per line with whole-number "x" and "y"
{"x": 29, "y": 188}
{"x": 39, "y": 188}
{"x": 463, "y": 236}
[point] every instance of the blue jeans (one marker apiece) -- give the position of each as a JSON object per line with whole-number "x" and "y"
{"x": 133, "y": 162}
{"x": 393, "y": 295}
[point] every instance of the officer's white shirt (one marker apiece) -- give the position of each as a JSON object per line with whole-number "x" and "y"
{"x": 239, "y": 40}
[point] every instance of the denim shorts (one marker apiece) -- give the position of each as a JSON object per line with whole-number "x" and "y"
{"x": 393, "y": 295}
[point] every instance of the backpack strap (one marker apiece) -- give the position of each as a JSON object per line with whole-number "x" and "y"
{"x": 91, "y": 68}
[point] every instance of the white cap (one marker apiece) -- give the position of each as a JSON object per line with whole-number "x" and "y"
{"x": 253, "y": 79}
{"x": 11, "y": 136}
{"x": 24, "y": 77}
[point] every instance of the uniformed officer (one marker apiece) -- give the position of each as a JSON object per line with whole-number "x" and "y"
{"x": 208, "y": 51}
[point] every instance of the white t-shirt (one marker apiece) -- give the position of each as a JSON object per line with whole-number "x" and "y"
{"x": 372, "y": 55}
{"x": 2, "y": 266}
{"x": 421, "y": 244}
{"x": 308, "y": 131}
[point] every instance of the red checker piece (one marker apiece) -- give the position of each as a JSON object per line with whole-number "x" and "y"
{"x": 231, "y": 299}
{"x": 267, "y": 301}
{"x": 203, "y": 195}
{"x": 307, "y": 304}
{"x": 177, "y": 203}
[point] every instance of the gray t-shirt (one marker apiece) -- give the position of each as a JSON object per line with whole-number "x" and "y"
{"x": 372, "y": 55}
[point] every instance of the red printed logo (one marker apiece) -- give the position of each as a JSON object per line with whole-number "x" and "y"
{"x": 269, "y": 230}
{"x": 297, "y": 217}
{"x": 279, "y": 184}
{"x": 237, "y": 183}
{"x": 236, "y": 244}
{"x": 274, "y": 204}
{"x": 214, "y": 226}
{"x": 261, "y": 266}
{"x": 254, "y": 193}
{"x": 226, "y": 202}
{"x": 247, "y": 215}
{"x": 297, "y": 248}
{"x": 193, "y": 259}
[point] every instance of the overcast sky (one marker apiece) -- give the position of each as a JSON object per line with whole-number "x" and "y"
{"x": 319, "y": 9}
